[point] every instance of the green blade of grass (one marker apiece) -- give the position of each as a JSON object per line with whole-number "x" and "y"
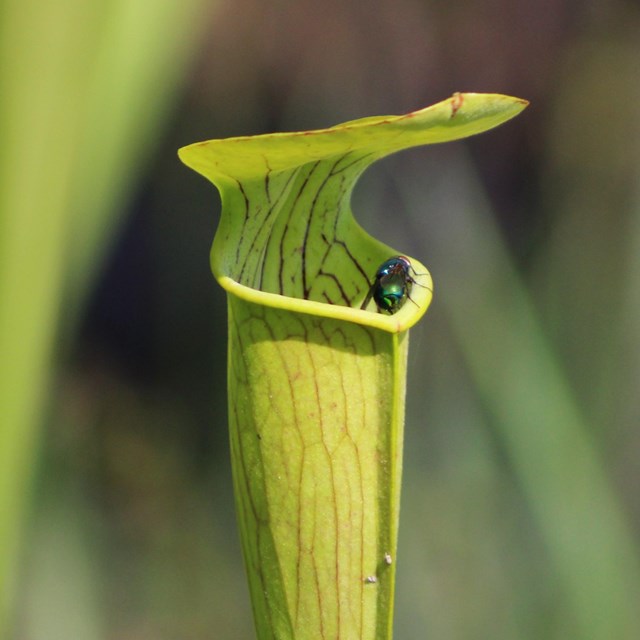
{"x": 84, "y": 86}
{"x": 545, "y": 433}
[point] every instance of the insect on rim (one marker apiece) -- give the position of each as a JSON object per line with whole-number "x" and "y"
{"x": 392, "y": 285}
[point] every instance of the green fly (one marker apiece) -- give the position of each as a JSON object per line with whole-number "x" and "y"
{"x": 392, "y": 285}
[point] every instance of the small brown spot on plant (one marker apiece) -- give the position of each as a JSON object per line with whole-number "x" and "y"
{"x": 456, "y": 102}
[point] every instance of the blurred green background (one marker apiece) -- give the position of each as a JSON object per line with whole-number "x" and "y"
{"x": 520, "y": 516}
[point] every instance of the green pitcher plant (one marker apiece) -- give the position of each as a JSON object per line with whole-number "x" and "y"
{"x": 319, "y": 313}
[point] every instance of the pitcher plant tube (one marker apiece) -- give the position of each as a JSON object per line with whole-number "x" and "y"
{"x": 319, "y": 313}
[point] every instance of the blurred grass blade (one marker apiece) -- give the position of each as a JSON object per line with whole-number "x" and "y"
{"x": 128, "y": 97}
{"x": 544, "y": 431}
{"x": 83, "y": 86}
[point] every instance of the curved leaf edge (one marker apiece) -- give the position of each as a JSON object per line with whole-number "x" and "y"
{"x": 409, "y": 314}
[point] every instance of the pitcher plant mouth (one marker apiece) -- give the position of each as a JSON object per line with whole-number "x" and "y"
{"x": 404, "y": 319}
{"x": 287, "y": 227}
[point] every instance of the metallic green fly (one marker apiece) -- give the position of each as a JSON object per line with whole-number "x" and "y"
{"x": 392, "y": 285}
